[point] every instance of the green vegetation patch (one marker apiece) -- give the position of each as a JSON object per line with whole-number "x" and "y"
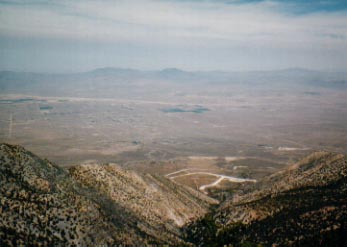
{"x": 46, "y": 107}
{"x": 196, "y": 109}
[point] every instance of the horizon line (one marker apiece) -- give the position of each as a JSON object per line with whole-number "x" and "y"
{"x": 169, "y": 68}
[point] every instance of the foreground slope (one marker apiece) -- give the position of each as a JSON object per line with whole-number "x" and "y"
{"x": 304, "y": 205}
{"x": 161, "y": 206}
{"x": 41, "y": 203}
{"x": 88, "y": 205}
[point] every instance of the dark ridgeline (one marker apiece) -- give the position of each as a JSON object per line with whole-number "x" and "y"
{"x": 42, "y": 204}
{"x": 306, "y": 205}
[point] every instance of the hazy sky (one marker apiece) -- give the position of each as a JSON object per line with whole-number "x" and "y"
{"x": 61, "y": 35}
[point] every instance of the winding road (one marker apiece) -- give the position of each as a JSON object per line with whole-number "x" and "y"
{"x": 220, "y": 178}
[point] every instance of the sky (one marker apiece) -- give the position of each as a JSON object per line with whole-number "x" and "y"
{"x": 231, "y": 35}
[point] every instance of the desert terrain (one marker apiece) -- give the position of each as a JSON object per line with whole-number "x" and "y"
{"x": 238, "y": 124}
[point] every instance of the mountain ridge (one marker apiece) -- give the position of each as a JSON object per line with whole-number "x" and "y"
{"x": 170, "y": 70}
{"x": 42, "y": 204}
{"x": 87, "y": 205}
{"x": 302, "y": 205}
{"x": 111, "y": 78}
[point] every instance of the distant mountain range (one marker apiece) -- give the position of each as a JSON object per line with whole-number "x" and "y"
{"x": 115, "y": 82}
{"x": 89, "y": 205}
{"x": 177, "y": 74}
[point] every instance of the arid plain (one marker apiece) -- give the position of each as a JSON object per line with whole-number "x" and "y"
{"x": 175, "y": 120}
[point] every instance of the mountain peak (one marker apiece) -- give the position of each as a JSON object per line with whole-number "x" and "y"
{"x": 172, "y": 70}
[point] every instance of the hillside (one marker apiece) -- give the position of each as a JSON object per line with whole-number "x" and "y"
{"x": 42, "y": 204}
{"x": 88, "y": 205}
{"x": 304, "y": 205}
{"x": 158, "y": 203}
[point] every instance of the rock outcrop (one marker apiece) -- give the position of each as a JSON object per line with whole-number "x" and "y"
{"x": 42, "y": 204}
{"x": 304, "y": 205}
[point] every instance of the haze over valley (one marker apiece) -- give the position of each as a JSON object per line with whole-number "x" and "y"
{"x": 110, "y": 113}
{"x": 148, "y": 120}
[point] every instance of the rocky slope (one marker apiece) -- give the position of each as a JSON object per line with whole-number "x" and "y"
{"x": 161, "y": 206}
{"x": 304, "y": 205}
{"x": 44, "y": 205}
